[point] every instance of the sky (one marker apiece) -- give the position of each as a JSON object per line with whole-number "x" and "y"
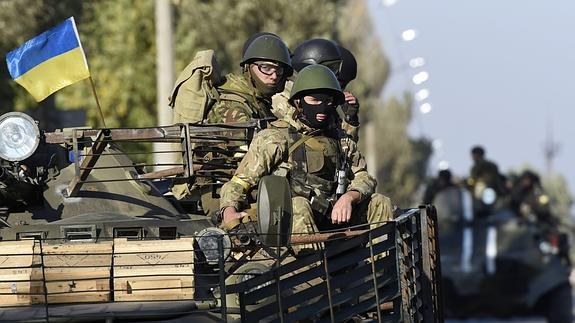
{"x": 501, "y": 74}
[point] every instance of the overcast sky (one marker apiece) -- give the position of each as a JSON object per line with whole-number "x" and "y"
{"x": 501, "y": 72}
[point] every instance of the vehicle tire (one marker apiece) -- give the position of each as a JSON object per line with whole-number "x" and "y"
{"x": 557, "y": 305}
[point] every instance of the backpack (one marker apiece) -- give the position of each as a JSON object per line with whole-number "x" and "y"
{"x": 195, "y": 89}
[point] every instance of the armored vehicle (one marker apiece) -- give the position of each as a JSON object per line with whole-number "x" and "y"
{"x": 498, "y": 264}
{"x": 88, "y": 235}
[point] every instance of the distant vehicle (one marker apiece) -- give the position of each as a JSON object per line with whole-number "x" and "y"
{"x": 496, "y": 263}
{"x": 87, "y": 235}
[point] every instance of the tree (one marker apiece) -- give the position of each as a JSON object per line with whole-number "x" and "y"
{"x": 21, "y": 20}
{"x": 118, "y": 38}
{"x": 402, "y": 161}
{"x": 224, "y": 25}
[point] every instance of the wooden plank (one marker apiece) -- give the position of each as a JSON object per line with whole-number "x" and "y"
{"x": 135, "y": 253}
{"x": 97, "y": 290}
{"x": 161, "y": 288}
{"x": 70, "y": 269}
{"x": 16, "y": 259}
{"x": 153, "y": 270}
{"x": 78, "y": 255}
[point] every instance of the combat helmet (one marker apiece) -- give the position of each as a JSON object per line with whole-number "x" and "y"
{"x": 316, "y": 77}
{"x": 317, "y": 51}
{"x": 348, "y": 70}
{"x": 269, "y": 47}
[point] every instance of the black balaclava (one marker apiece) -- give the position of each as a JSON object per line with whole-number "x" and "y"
{"x": 310, "y": 111}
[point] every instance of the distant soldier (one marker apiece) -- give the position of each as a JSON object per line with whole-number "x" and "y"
{"x": 266, "y": 65}
{"x": 320, "y": 201}
{"x": 484, "y": 171}
{"x": 442, "y": 182}
{"x": 528, "y": 198}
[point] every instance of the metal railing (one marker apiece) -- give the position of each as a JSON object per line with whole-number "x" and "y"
{"x": 389, "y": 273}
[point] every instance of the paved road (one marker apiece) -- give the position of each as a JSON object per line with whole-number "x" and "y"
{"x": 534, "y": 320}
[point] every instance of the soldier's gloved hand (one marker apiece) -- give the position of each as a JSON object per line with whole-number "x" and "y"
{"x": 230, "y": 213}
{"x": 341, "y": 212}
{"x": 350, "y": 109}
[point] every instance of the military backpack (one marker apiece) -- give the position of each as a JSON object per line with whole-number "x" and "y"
{"x": 195, "y": 90}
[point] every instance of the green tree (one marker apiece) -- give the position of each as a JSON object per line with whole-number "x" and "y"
{"x": 224, "y": 25}
{"x": 118, "y": 38}
{"x": 402, "y": 161}
{"x": 21, "y": 20}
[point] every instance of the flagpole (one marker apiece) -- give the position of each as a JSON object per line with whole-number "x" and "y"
{"x": 97, "y": 100}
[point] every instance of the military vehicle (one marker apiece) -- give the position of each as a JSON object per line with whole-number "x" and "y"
{"x": 88, "y": 235}
{"x": 498, "y": 264}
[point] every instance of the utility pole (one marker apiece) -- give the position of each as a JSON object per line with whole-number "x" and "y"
{"x": 164, "y": 73}
{"x": 550, "y": 148}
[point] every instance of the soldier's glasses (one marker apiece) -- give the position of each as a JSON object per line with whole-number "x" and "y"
{"x": 269, "y": 69}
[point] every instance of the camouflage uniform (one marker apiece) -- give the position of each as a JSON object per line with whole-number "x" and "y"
{"x": 268, "y": 154}
{"x": 239, "y": 102}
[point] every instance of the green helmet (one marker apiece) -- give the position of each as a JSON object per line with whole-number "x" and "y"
{"x": 316, "y": 79}
{"x": 267, "y": 47}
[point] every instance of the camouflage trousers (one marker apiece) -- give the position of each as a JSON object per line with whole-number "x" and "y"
{"x": 374, "y": 210}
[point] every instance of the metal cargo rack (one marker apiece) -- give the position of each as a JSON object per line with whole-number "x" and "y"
{"x": 389, "y": 273}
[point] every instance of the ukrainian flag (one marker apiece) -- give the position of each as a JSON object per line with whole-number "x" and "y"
{"x": 49, "y": 61}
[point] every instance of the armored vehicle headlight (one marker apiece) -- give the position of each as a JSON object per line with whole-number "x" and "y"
{"x": 208, "y": 243}
{"x": 19, "y": 136}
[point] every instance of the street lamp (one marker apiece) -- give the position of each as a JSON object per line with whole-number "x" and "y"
{"x": 420, "y": 77}
{"x": 408, "y": 35}
{"x": 425, "y": 108}
{"x": 421, "y": 94}
{"x": 416, "y": 62}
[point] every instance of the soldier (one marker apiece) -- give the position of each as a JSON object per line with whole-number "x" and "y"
{"x": 350, "y": 107}
{"x": 442, "y": 182}
{"x": 341, "y": 62}
{"x": 484, "y": 171}
{"x": 307, "y": 150}
{"x": 528, "y": 198}
{"x": 265, "y": 66}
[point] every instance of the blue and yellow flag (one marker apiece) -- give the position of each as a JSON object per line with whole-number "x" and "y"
{"x": 49, "y": 61}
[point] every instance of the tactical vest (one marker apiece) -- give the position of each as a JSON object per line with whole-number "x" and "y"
{"x": 313, "y": 166}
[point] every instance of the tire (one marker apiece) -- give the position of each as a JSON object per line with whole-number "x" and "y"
{"x": 557, "y": 305}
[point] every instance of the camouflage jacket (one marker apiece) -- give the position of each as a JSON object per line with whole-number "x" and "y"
{"x": 282, "y": 109}
{"x": 239, "y": 102}
{"x": 268, "y": 152}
